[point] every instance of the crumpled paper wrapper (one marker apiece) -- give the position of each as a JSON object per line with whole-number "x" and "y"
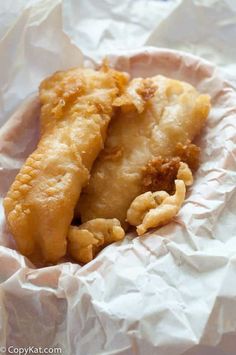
{"x": 171, "y": 292}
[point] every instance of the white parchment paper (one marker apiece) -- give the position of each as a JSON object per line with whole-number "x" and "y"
{"x": 172, "y": 292}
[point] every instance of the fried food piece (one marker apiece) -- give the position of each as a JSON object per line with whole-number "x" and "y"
{"x": 138, "y": 93}
{"x": 189, "y": 154}
{"x": 76, "y": 109}
{"x": 85, "y": 241}
{"x": 185, "y": 174}
{"x": 154, "y": 209}
{"x": 160, "y": 174}
{"x": 143, "y": 203}
{"x": 147, "y": 127}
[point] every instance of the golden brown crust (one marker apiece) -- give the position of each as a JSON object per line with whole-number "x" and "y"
{"x": 160, "y": 174}
{"x": 76, "y": 107}
{"x": 147, "y": 90}
{"x": 146, "y": 130}
{"x": 189, "y": 154}
{"x": 137, "y": 96}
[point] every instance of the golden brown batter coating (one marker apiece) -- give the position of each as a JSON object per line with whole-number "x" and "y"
{"x": 189, "y": 154}
{"x": 76, "y": 110}
{"x": 160, "y": 174}
{"x": 147, "y": 126}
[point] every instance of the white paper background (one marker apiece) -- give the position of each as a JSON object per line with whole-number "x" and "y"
{"x": 154, "y": 295}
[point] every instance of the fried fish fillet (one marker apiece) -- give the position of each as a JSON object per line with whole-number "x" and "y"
{"x": 157, "y": 116}
{"x": 76, "y": 109}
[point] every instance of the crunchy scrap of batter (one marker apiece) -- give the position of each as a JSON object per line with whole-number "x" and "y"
{"x": 85, "y": 241}
{"x": 77, "y": 106}
{"x": 154, "y": 209}
{"x": 185, "y": 174}
{"x": 188, "y": 153}
{"x": 139, "y": 92}
{"x": 160, "y": 174}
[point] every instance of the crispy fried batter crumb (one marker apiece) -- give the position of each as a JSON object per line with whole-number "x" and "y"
{"x": 85, "y": 241}
{"x": 185, "y": 174}
{"x": 189, "y": 154}
{"x": 147, "y": 90}
{"x": 154, "y": 209}
{"x": 160, "y": 174}
{"x": 137, "y": 96}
